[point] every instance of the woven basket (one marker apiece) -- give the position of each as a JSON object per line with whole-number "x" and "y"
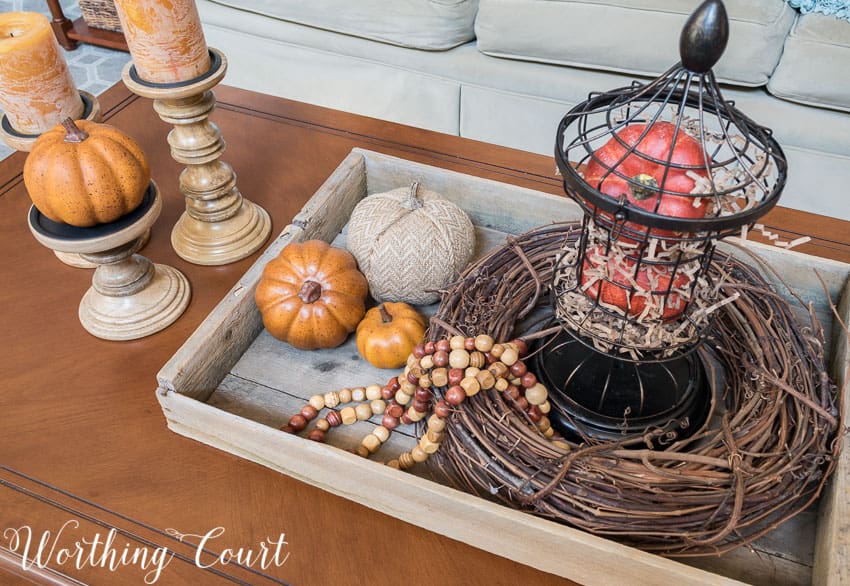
{"x": 100, "y": 14}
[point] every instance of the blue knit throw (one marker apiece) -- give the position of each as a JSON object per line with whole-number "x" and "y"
{"x": 836, "y": 8}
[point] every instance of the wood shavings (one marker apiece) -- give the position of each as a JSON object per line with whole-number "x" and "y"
{"x": 630, "y": 300}
{"x": 772, "y": 237}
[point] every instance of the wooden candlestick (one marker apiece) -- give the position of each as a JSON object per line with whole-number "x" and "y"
{"x": 219, "y": 226}
{"x": 130, "y": 296}
{"x": 76, "y": 260}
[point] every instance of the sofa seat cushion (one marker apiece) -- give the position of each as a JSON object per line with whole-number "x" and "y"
{"x": 814, "y": 67}
{"x": 639, "y": 37}
{"x": 432, "y": 25}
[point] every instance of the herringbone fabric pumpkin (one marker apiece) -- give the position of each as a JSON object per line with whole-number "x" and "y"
{"x": 409, "y": 242}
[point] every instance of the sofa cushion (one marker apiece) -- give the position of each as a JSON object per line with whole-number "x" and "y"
{"x": 420, "y": 24}
{"x": 338, "y": 81}
{"x": 509, "y": 102}
{"x": 814, "y": 67}
{"x": 631, "y": 36}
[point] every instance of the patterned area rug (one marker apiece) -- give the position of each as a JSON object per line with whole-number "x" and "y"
{"x": 95, "y": 69}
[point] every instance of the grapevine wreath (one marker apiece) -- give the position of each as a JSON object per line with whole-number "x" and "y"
{"x": 763, "y": 455}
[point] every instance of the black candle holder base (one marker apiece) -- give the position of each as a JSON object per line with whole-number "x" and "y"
{"x": 596, "y": 397}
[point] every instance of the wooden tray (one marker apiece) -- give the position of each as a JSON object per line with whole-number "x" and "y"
{"x": 232, "y": 385}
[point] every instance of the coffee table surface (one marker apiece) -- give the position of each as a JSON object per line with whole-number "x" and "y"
{"x": 85, "y": 447}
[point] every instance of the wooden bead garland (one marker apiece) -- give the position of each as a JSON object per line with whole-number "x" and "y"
{"x": 462, "y": 366}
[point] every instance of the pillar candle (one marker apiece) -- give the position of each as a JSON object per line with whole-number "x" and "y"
{"x": 37, "y": 91}
{"x": 165, "y": 39}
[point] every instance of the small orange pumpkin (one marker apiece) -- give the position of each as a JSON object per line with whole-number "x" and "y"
{"x": 84, "y": 173}
{"x": 388, "y": 333}
{"x": 312, "y": 295}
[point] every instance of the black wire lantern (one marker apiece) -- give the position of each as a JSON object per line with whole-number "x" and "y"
{"x": 662, "y": 171}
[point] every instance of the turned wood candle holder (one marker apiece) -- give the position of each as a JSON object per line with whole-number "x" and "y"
{"x": 130, "y": 296}
{"x": 219, "y": 226}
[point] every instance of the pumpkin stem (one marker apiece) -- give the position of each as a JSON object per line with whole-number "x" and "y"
{"x": 650, "y": 189}
{"x": 412, "y": 202}
{"x": 310, "y": 292}
{"x": 385, "y": 315}
{"x": 73, "y": 133}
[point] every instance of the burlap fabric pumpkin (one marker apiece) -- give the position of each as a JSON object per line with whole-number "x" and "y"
{"x": 409, "y": 242}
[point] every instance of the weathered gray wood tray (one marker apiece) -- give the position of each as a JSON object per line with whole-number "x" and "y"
{"x": 232, "y": 385}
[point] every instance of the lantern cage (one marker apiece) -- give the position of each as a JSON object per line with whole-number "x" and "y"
{"x": 662, "y": 170}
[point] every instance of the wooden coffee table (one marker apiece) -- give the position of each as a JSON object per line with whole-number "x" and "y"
{"x": 85, "y": 449}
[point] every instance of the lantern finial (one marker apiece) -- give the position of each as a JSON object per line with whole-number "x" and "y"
{"x": 704, "y": 36}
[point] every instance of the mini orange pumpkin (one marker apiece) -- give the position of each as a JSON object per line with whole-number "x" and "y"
{"x": 84, "y": 173}
{"x": 388, "y": 333}
{"x": 312, "y": 295}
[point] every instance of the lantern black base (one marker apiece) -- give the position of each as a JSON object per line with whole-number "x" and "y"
{"x": 597, "y": 397}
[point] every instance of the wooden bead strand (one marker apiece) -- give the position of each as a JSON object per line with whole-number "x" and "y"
{"x": 345, "y": 416}
{"x": 462, "y": 366}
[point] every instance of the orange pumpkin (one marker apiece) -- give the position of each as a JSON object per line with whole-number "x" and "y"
{"x": 312, "y": 295}
{"x": 388, "y": 333}
{"x": 84, "y": 173}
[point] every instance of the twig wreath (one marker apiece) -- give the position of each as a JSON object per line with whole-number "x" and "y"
{"x": 763, "y": 455}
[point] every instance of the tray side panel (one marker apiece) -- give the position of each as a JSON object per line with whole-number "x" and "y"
{"x": 790, "y": 271}
{"x": 541, "y": 544}
{"x": 488, "y": 203}
{"x": 203, "y": 360}
{"x": 832, "y": 546}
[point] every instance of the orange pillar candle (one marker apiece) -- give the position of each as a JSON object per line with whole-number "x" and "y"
{"x": 165, "y": 39}
{"x": 37, "y": 91}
